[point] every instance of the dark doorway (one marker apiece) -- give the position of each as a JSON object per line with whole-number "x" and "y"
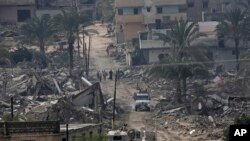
{"x": 23, "y": 15}
{"x": 158, "y": 23}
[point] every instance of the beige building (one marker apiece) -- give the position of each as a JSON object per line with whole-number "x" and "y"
{"x": 46, "y": 131}
{"x": 12, "y": 11}
{"x": 208, "y": 10}
{"x": 52, "y": 8}
{"x": 140, "y": 15}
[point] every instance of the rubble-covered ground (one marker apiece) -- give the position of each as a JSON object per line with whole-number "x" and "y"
{"x": 202, "y": 118}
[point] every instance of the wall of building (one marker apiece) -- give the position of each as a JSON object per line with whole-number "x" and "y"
{"x": 9, "y": 13}
{"x": 32, "y": 137}
{"x": 85, "y": 100}
{"x": 152, "y": 55}
{"x": 148, "y": 14}
{"x": 130, "y": 30}
{"x": 40, "y": 13}
{"x": 194, "y": 10}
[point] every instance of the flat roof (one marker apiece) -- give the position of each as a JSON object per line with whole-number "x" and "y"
{"x": 17, "y": 2}
{"x": 75, "y": 126}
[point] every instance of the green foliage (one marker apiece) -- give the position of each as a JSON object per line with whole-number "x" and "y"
{"x": 226, "y": 134}
{"x": 242, "y": 119}
{"x": 7, "y": 117}
{"x": 107, "y": 11}
{"x": 68, "y": 23}
{"x": 38, "y": 31}
{"x": 198, "y": 89}
{"x": 93, "y": 138}
{"x": 62, "y": 59}
{"x": 178, "y": 64}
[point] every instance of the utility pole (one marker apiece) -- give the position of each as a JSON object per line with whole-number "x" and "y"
{"x": 67, "y": 132}
{"x": 12, "y": 108}
{"x": 113, "y": 120}
{"x": 90, "y": 39}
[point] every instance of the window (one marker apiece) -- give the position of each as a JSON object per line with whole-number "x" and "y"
{"x": 182, "y": 9}
{"x": 63, "y": 139}
{"x": 120, "y": 12}
{"x": 136, "y": 11}
{"x": 159, "y": 10}
{"x": 23, "y": 15}
{"x": 129, "y": 11}
{"x": 205, "y": 4}
{"x": 148, "y": 9}
{"x": 190, "y": 4}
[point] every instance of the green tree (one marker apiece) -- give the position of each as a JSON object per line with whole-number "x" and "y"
{"x": 178, "y": 65}
{"x": 69, "y": 23}
{"x": 39, "y": 31}
{"x": 232, "y": 27}
{"x": 106, "y": 10}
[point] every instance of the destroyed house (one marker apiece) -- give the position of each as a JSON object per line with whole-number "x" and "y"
{"x": 45, "y": 131}
{"x": 91, "y": 98}
{"x": 12, "y": 11}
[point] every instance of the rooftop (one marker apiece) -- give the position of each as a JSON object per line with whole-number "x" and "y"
{"x": 17, "y": 2}
{"x": 75, "y": 126}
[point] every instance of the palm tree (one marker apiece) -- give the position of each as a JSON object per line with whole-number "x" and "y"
{"x": 69, "y": 22}
{"x": 232, "y": 27}
{"x": 178, "y": 66}
{"x": 39, "y": 30}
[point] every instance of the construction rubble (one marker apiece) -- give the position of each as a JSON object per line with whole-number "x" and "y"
{"x": 204, "y": 116}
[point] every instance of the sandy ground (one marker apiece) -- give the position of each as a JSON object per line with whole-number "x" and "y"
{"x": 135, "y": 120}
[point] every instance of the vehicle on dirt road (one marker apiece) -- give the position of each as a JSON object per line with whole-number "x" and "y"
{"x": 142, "y": 101}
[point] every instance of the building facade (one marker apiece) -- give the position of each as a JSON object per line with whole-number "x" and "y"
{"x": 46, "y": 131}
{"x": 208, "y": 10}
{"x": 140, "y": 15}
{"x": 12, "y": 11}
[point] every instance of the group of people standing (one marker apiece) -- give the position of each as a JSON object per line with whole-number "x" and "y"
{"x": 103, "y": 74}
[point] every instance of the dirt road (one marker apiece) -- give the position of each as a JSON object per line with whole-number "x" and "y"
{"x": 136, "y": 120}
{"x": 124, "y": 92}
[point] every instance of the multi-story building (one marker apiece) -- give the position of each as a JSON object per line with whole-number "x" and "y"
{"x": 207, "y": 10}
{"x": 52, "y": 8}
{"x": 134, "y": 16}
{"x": 12, "y": 11}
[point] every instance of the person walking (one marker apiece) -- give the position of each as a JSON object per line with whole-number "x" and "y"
{"x": 111, "y": 75}
{"x": 104, "y": 73}
{"x": 100, "y": 76}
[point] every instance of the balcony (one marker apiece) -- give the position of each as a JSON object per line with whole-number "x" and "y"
{"x": 150, "y": 41}
{"x": 129, "y": 3}
{"x": 129, "y": 19}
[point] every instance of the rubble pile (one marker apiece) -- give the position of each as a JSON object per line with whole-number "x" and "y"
{"x": 61, "y": 109}
{"x": 203, "y": 115}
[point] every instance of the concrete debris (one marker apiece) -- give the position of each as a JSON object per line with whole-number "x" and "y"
{"x": 173, "y": 110}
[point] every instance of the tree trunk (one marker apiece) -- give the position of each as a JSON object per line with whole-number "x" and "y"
{"x": 88, "y": 55}
{"x": 71, "y": 51}
{"x": 237, "y": 54}
{"x": 178, "y": 90}
{"x": 184, "y": 86}
{"x": 42, "y": 50}
{"x": 78, "y": 43}
{"x": 42, "y": 47}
